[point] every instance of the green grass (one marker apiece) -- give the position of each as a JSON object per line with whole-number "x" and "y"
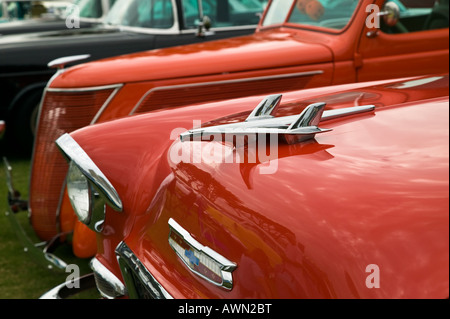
{"x": 20, "y": 276}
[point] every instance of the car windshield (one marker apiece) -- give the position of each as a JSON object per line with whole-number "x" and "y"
{"x": 330, "y": 14}
{"x": 142, "y": 13}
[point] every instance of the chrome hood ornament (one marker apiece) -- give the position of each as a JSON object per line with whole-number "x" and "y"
{"x": 291, "y": 129}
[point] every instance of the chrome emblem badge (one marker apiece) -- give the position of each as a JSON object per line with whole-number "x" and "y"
{"x": 201, "y": 260}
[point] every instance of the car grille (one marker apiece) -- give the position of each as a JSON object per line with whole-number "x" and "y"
{"x": 61, "y": 112}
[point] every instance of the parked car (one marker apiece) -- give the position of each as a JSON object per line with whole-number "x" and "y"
{"x": 289, "y": 51}
{"x": 340, "y": 192}
{"x": 130, "y": 26}
{"x": 57, "y": 17}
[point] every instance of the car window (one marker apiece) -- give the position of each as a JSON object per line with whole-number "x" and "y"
{"x": 418, "y": 16}
{"x": 16, "y": 10}
{"x": 223, "y": 13}
{"x": 277, "y": 12}
{"x": 330, "y": 14}
{"x": 142, "y": 13}
{"x": 89, "y": 8}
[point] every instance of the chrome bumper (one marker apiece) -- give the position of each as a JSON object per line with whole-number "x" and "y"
{"x": 140, "y": 284}
{"x": 65, "y": 291}
{"x": 139, "y": 281}
{"x": 40, "y": 252}
{"x": 107, "y": 284}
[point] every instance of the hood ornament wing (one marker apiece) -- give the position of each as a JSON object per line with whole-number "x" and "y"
{"x": 291, "y": 129}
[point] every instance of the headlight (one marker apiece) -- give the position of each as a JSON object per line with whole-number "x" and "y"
{"x": 79, "y": 192}
{"x": 88, "y": 188}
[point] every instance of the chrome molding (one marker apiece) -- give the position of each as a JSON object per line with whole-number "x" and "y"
{"x": 222, "y": 82}
{"x": 107, "y": 283}
{"x": 105, "y": 105}
{"x": 85, "y": 89}
{"x": 292, "y": 129}
{"x": 73, "y": 152}
{"x": 196, "y": 256}
{"x": 139, "y": 282}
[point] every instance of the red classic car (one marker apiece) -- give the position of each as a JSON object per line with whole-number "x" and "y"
{"x": 340, "y": 192}
{"x": 297, "y": 45}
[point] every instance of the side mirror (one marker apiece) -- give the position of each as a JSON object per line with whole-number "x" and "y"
{"x": 390, "y": 13}
{"x": 203, "y": 27}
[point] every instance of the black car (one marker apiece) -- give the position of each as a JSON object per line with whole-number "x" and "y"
{"x": 130, "y": 26}
{"x": 50, "y": 16}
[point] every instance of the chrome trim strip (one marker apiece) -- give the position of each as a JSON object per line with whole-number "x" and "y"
{"x": 226, "y": 266}
{"x": 224, "y": 29}
{"x": 105, "y": 105}
{"x": 85, "y": 89}
{"x": 176, "y": 31}
{"x": 221, "y": 82}
{"x": 73, "y": 151}
{"x": 104, "y": 276}
{"x": 132, "y": 269}
{"x": 348, "y": 111}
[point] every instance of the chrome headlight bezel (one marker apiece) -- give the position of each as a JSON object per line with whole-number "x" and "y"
{"x": 95, "y": 191}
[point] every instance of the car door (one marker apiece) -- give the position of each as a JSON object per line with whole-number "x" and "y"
{"x": 416, "y": 44}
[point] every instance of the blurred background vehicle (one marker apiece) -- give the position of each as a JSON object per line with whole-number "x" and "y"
{"x": 88, "y": 12}
{"x": 130, "y": 26}
{"x": 31, "y": 10}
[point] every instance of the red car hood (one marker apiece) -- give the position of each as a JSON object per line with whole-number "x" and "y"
{"x": 371, "y": 193}
{"x": 262, "y": 50}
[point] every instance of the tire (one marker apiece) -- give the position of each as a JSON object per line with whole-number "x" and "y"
{"x": 20, "y": 137}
